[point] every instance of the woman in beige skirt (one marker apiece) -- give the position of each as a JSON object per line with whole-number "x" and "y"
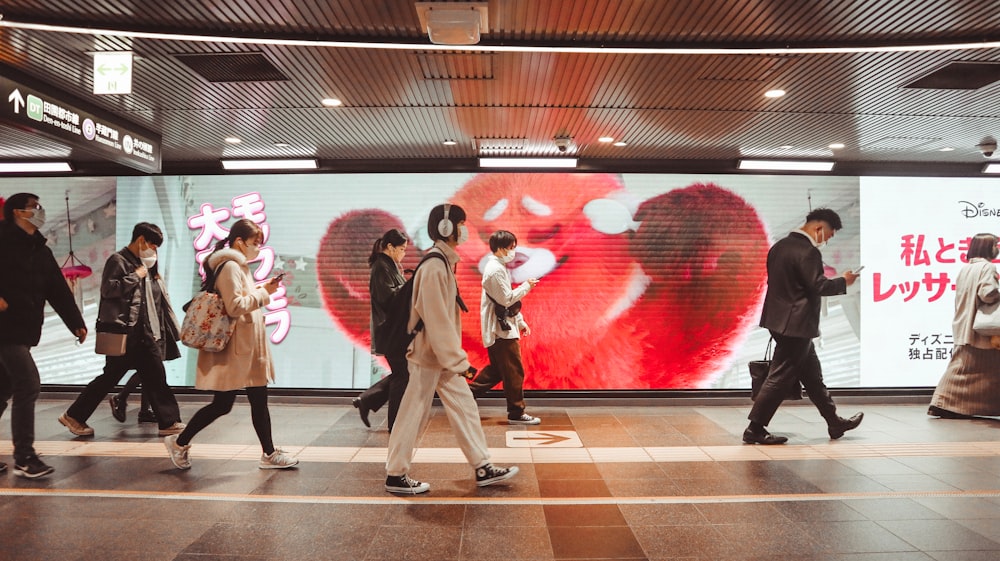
{"x": 971, "y": 383}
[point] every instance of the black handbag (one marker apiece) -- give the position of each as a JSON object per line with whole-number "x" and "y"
{"x": 758, "y": 374}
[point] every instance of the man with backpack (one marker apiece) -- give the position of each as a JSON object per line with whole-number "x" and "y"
{"x": 438, "y": 363}
{"x": 502, "y": 326}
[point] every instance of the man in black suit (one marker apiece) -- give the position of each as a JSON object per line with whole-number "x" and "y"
{"x": 795, "y": 285}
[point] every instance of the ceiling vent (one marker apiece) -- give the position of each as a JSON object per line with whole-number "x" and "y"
{"x": 233, "y": 67}
{"x": 448, "y": 66}
{"x": 959, "y": 75}
{"x": 747, "y": 68}
{"x": 493, "y": 146}
{"x": 899, "y": 143}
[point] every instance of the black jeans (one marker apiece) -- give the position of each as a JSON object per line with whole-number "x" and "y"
{"x": 19, "y": 384}
{"x": 794, "y": 360}
{"x": 139, "y": 357}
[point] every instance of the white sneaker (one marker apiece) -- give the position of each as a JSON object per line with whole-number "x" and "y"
{"x": 524, "y": 419}
{"x": 277, "y": 460}
{"x": 178, "y": 454}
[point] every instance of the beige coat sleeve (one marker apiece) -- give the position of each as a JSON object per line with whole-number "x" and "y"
{"x": 239, "y": 296}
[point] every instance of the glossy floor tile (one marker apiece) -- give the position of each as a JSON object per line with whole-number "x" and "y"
{"x": 596, "y": 482}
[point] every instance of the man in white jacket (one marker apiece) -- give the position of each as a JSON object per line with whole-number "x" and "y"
{"x": 438, "y": 363}
{"x": 502, "y": 324}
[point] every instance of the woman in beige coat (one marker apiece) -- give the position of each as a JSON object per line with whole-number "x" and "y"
{"x": 971, "y": 383}
{"x": 245, "y": 363}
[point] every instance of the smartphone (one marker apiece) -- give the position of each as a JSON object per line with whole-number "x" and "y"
{"x": 858, "y": 270}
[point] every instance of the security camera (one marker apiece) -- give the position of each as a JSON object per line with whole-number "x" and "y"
{"x": 987, "y": 146}
{"x": 563, "y": 143}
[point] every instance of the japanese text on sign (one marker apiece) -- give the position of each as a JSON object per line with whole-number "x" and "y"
{"x": 209, "y": 227}
{"x": 918, "y": 251}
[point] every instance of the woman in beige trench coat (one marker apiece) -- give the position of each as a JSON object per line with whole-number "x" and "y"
{"x": 971, "y": 383}
{"x": 245, "y": 363}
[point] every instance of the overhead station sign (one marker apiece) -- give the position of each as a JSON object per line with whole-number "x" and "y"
{"x": 113, "y": 73}
{"x": 89, "y": 128}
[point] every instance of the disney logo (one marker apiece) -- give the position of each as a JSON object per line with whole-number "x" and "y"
{"x": 970, "y": 210}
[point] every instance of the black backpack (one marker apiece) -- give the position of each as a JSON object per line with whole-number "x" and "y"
{"x": 392, "y": 338}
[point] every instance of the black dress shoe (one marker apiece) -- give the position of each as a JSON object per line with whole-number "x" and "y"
{"x": 117, "y": 408}
{"x": 362, "y": 410}
{"x": 751, "y": 437}
{"x": 843, "y": 425}
{"x": 945, "y": 414}
{"x": 147, "y": 416}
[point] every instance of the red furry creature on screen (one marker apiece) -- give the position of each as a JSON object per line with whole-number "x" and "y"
{"x": 653, "y": 294}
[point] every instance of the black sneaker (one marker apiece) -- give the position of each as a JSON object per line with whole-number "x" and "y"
{"x": 147, "y": 416}
{"x": 403, "y": 484}
{"x": 32, "y": 468}
{"x": 490, "y": 474}
{"x": 117, "y": 408}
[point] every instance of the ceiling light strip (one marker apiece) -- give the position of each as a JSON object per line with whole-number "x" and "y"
{"x": 297, "y": 163}
{"x": 527, "y": 162}
{"x": 35, "y": 167}
{"x": 497, "y": 48}
{"x": 786, "y": 165}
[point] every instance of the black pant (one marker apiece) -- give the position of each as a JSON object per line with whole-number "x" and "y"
{"x": 139, "y": 357}
{"x": 389, "y": 389}
{"x": 794, "y": 360}
{"x": 19, "y": 383}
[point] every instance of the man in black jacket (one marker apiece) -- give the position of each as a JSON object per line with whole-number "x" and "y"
{"x": 134, "y": 302}
{"x": 795, "y": 285}
{"x": 29, "y": 277}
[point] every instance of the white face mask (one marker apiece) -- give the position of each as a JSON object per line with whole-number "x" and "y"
{"x": 463, "y": 234}
{"x": 509, "y": 256}
{"x": 251, "y": 252}
{"x": 37, "y": 218}
{"x": 148, "y": 257}
{"x": 822, "y": 236}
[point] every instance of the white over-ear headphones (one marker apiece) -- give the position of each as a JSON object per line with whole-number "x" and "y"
{"x": 445, "y": 227}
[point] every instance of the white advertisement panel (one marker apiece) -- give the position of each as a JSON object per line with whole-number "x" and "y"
{"x": 916, "y": 233}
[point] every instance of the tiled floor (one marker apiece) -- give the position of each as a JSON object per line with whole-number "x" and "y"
{"x": 669, "y": 482}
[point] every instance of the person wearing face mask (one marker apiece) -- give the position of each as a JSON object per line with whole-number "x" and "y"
{"x": 437, "y": 363}
{"x": 795, "y": 285}
{"x": 384, "y": 282}
{"x": 134, "y": 304}
{"x": 502, "y": 328}
{"x": 970, "y": 385}
{"x": 245, "y": 363}
{"x": 29, "y": 277}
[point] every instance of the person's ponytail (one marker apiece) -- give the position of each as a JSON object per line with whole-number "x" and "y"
{"x": 377, "y": 248}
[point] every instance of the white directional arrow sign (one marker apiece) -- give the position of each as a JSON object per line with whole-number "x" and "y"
{"x": 113, "y": 73}
{"x": 544, "y": 439}
{"x": 18, "y": 100}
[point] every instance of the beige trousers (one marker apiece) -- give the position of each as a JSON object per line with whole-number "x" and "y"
{"x": 415, "y": 409}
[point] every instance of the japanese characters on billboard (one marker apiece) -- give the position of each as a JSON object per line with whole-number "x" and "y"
{"x": 646, "y": 281}
{"x": 916, "y": 235}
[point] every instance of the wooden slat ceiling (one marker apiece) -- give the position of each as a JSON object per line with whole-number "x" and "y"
{"x": 400, "y": 105}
